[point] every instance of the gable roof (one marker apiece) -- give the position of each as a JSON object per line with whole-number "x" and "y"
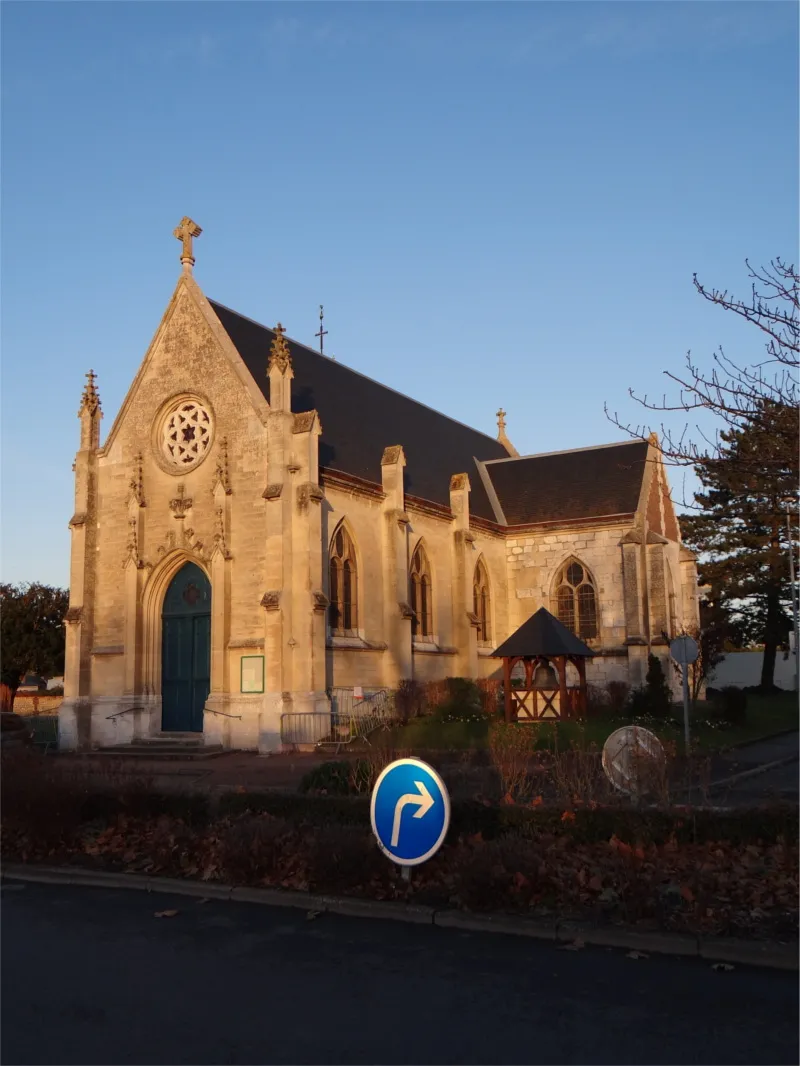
{"x": 361, "y": 417}
{"x": 542, "y": 634}
{"x": 563, "y": 486}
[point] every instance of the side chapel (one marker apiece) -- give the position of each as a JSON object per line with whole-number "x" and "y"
{"x": 263, "y": 524}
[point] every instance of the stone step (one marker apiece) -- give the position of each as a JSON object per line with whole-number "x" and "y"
{"x": 187, "y": 752}
{"x": 189, "y": 740}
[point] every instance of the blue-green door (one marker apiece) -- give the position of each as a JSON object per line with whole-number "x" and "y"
{"x": 186, "y": 651}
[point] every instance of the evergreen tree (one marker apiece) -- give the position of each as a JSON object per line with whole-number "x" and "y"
{"x": 741, "y": 532}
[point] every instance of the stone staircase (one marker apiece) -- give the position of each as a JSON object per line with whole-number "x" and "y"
{"x": 183, "y": 746}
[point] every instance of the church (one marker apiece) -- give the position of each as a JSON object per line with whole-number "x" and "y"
{"x": 263, "y": 525}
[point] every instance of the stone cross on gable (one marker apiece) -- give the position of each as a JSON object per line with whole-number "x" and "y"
{"x": 501, "y": 420}
{"x": 185, "y": 232}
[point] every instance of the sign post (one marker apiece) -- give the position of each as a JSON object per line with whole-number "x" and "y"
{"x": 684, "y": 651}
{"x": 410, "y": 812}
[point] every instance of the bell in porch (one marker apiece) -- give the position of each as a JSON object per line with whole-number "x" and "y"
{"x": 544, "y": 676}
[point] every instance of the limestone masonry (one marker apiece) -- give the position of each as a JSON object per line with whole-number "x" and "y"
{"x": 263, "y": 525}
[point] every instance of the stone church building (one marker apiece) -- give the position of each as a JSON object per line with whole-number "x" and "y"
{"x": 263, "y": 524}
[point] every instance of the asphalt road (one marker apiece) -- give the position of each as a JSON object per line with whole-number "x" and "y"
{"x": 92, "y": 976}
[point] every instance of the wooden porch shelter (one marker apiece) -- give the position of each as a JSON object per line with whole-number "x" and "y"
{"x": 540, "y": 644}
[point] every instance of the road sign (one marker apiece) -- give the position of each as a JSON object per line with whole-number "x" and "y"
{"x": 632, "y": 758}
{"x": 410, "y": 811}
{"x": 684, "y": 650}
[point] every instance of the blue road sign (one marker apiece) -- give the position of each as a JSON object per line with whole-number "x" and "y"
{"x": 410, "y": 811}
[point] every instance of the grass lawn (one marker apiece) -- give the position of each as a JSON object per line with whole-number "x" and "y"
{"x": 765, "y": 715}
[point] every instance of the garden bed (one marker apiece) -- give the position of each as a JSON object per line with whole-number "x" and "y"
{"x": 715, "y": 873}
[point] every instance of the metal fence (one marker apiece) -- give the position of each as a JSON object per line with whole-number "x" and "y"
{"x": 350, "y": 718}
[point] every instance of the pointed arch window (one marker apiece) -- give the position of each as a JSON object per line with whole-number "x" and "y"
{"x": 421, "y": 601}
{"x": 344, "y": 584}
{"x": 480, "y": 602}
{"x": 576, "y": 601}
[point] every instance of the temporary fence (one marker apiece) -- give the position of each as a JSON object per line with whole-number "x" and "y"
{"x": 354, "y": 715}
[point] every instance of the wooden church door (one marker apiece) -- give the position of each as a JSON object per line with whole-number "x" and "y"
{"x": 186, "y": 651}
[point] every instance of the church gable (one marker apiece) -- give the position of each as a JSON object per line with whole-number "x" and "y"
{"x": 189, "y": 355}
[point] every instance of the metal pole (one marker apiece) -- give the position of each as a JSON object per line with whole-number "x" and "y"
{"x": 686, "y": 705}
{"x": 795, "y": 596}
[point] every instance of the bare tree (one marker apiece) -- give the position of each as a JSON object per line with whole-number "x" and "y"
{"x": 735, "y": 394}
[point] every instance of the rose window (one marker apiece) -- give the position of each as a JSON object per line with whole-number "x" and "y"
{"x": 186, "y": 435}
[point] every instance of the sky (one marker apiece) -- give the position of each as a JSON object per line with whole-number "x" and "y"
{"x": 498, "y": 204}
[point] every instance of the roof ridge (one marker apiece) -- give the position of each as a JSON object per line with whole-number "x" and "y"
{"x": 350, "y": 369}
{"x": 567, "y": 451}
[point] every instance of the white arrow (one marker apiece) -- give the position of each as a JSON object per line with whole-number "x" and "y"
{"x": 423, "y": 801}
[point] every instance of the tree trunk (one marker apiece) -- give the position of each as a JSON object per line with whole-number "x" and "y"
{"x": 768, "y": 665}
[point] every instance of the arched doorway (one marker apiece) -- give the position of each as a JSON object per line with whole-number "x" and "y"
{"x": 185, "y": 651}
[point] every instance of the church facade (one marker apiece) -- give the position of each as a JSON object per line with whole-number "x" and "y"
{"x": 262, "y": 525}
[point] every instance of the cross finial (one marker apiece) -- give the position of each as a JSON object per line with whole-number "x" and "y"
{"x": 279, "y": 354}
{"x": 501, "y": 420}
{"x": 322, "y": 332}
{"x": 185, "y": 231}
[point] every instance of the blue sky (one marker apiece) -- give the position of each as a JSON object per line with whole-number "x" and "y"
{"x": 498, "y": 204}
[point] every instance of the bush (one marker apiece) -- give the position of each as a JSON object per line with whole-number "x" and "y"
{"x": 409, "y": 699}
{"x": 618, "y": 693}
{"x": 335, "y": 778}
{"x": 511, "y": 747}
{"x": 730, "y": 705}
{"x": 344, "y": 857}
{"x": 654, "y": 700}
{"x": 251, "y": 848}
{"x": 490, "y": 691}
{"x": 38, "y": 800}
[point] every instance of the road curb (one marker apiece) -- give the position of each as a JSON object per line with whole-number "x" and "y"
{"x": 765, "y": 954}
{"x": 754, "y": 771}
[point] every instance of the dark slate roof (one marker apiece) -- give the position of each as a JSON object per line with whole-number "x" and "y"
{"x": 360, "y": 418}
{"x": 587, "y": 483}
{"x": 542, "y": 634}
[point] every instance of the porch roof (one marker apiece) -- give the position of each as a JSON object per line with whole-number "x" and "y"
{"x": 542, "y": 634}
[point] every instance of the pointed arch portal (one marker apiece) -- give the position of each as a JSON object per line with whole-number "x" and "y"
{"x": 185, "y": 650}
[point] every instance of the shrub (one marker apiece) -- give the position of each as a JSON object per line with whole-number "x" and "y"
{"x": 618, "y": 693}
{"x": 39, "y": 800}
{"x": 335, "y": 778}
{"x": 511, "y": 747}
{"x": 435, "y": 693}
{"x": 491, "y": 691}
{"x": 251, "y": 847}
{"x": 409, "y": 699}
{"x": 344, "y": 857}
{"x": 654, "y": 700}
{"x": 730, "y": 705}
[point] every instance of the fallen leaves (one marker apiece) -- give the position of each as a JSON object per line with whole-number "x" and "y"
{"x": 725, "y": 967}
{"x": 575, "y": 945}
{"x": 637, "y": 955}
{"x": 165, "y": 914}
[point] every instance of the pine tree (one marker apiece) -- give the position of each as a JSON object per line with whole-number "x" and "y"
{"x": 741, "y": 533}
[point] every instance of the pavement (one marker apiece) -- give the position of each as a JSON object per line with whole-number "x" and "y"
{"x": 95, "y": 976}
{"x": 766, "y": 770}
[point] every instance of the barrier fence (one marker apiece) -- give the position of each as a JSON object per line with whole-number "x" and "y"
{"x": 351, "y": 717}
